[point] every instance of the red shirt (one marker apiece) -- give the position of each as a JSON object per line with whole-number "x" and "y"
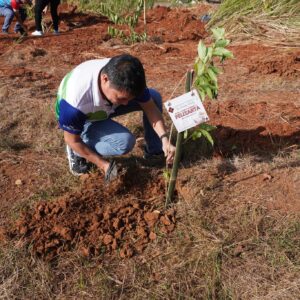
{"x": 15, "y": 4}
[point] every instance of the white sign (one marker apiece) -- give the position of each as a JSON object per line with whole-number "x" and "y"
{"x": 186, "y": 111}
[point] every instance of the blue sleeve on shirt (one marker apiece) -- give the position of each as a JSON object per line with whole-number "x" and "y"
{"x": 145, "y": 97}
{"x": 70, "y": 118}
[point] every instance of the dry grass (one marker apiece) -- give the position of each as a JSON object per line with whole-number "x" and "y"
{"x": 237, "y": 235}
{"x": 273, "y": 21}
{"x": 227, "y": 245}
{"x": 24, "y": 128}
{"x": 21, "y": 274}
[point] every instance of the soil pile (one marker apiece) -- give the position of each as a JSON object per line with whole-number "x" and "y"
{"x": 161, "y": 26}
{"x": 95, "y": 221}
{"x": 283, "y": 65}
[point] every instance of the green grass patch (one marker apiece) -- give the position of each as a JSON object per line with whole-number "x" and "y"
{"x": 119, "y": 7}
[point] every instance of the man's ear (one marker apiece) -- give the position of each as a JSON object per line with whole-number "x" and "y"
{"x": 104, "y": 78}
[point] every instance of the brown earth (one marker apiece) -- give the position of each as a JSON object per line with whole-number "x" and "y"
{"x": 257, "y": 113}
{"x": 98, "y": 220}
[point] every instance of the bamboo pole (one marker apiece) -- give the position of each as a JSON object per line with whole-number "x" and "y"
{"x": 145, "y": 21}
{"x": 178, "y": 152}
{"x": 145, "y": 13}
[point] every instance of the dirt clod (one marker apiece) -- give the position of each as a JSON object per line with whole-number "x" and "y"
{"x": 95, "y": 221}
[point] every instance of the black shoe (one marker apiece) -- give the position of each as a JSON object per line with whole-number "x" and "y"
{"x": 21, "y": 31}
{"x": 78, "y": 165}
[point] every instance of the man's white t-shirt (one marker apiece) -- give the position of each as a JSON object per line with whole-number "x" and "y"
{"x": 79, "y": 98}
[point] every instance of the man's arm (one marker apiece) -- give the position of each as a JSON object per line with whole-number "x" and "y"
{"x": 156, "y": 119}
{"x": 76, "y": 143}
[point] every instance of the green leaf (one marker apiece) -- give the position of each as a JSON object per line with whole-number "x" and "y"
{"x": 222, "y": 43}
{"x": 211, "y": 84}
{"x": 228, "y": 54}
{"x": 208, "y": 55}
{"x": 203, "y": 81}
{"x": 222, "y": 52}
{"x": 196, "y": 134}
{"x": 201, "y": 50}
{"x": 215, "y": 88}
{"x": 202, "y": 94}
{"x": 212, "y": 75}
{"x": 209, "y": 92}
{"x": 115, "y": 19}
{"x": 216, "y": 70}
{"x": 201, "y": 68}
{"x": 208, "y": 136}
{"x": 166, "y": 175}
{"x": 218, "y": 33}
{"x": 196, "y": 67}
{"x": 207, "y": 127}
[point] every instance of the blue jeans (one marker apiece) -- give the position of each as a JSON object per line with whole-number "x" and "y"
{"x": 8, "y": 15}
{"x": 109, "y": 138}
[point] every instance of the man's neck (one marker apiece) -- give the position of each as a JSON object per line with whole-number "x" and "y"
{"x": 101, "y": 92}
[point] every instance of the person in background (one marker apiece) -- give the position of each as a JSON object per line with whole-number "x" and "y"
{"x": 14, "y": 8}
{"x": 90, "y": 96}
{"x": 40, "y": 5}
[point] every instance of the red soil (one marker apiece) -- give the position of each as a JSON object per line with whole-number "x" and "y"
{"x": 257, "y": 111}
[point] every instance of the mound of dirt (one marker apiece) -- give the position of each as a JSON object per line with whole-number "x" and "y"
{"x": 96, "y": 221}
{"x": 283, "y": 65}
{"x": 160, "y": 25}
{"x": 188, "y": 26}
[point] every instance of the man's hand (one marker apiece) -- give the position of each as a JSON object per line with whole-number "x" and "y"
{"x": 76, "y": 143}
{"x": 112, "y": 172}
{"x": 19, "y": 19}
{"x": 156, "y": 119}
{"x": 169, "y": 151}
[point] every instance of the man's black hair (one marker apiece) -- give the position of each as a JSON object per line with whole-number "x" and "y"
{"x": 126, "y": 73}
